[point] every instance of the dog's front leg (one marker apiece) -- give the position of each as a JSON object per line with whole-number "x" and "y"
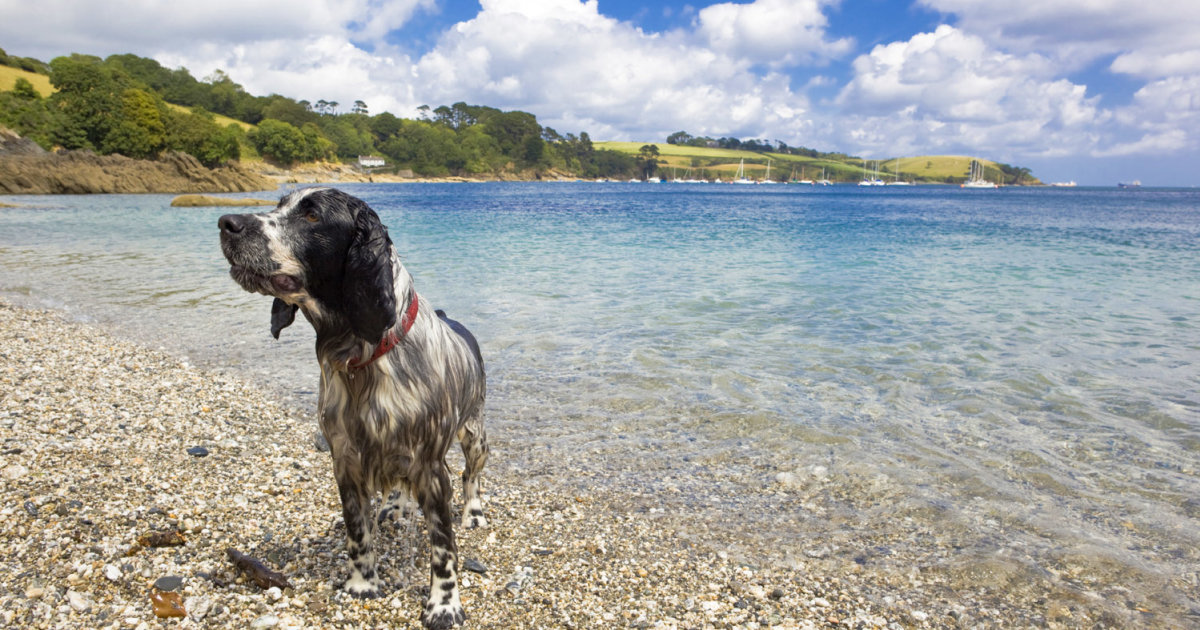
{"x": 360, "y": 531}
{"x": 443, "y": 610}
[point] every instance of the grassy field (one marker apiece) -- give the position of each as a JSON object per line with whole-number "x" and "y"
{"x": 9, "y": 76}
{"x": 723, "y": 163}
{"x": 224, "y": 121}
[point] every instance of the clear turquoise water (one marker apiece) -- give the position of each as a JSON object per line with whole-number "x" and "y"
{"x": 1017, "y": 371}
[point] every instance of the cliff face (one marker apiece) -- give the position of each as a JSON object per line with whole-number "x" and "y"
{"x": 25, "y": 169}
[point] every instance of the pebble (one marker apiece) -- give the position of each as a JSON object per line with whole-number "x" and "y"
{"x": 197, "y": 607}
{"x": 473, "y": 565}
{"x": 198, "y": 451}
{"x": 168, "y": 583}
{"x": 167, "y": 604}
{"x": 102, "y": 425}
{"x": 15, "y": 471}
{"x": 78, "y": 602}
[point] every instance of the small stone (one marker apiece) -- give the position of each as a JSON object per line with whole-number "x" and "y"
{"x": 787, "y": 479}
{"x": 320, "y": 443}
{"x": 197, "y": 451}
{"x": 168, "y": 583}
{"x": 274, "y": 593}
{"x": 112, "y": 572}
{"x": 474, "y": 566}
{"x": 167, "y": 604}
{"x": 78, "y": 602}
{"x": 30, "y": 508}
{"x": 35, "y": 591}
{"x": 777, "y": 594}
{"x": 15, "y": 471}
{"x": 265, "y": 621}
{"x": 197, "y": 607}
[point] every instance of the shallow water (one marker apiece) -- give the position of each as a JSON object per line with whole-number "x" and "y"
{"x": 1013, "y": 373}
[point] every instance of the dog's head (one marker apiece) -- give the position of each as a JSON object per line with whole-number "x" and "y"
{"x": 321, "y": 250}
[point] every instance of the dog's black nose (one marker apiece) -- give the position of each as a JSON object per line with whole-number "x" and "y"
{"x": 232, "y": 223}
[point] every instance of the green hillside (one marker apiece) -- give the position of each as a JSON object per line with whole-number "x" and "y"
{"x": 710, "y": 163}
{"x": 9, "y": 76}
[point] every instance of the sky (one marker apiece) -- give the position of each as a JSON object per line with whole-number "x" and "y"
{"x": 1095, "y": 91}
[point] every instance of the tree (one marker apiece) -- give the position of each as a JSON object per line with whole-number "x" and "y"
{"x": 198, "y": 134}
{"x": 359, "y": 108}
{"x": 647, "y": 160}
{"x": 289, "y": 111}
{"x": 279, "y": 141}
{"x": 139, "y": 131}
{"x": 679, "y": 137}
{"x": 384, "y": 126}
{"x": 22, "y": 88}
{"x": 88, "y": 96}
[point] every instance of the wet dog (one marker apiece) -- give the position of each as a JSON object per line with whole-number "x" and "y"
{"x": 400, "y": 382}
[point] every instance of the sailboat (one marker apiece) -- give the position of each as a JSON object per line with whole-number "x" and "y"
{"x": 741, "y": 174}
{"x": 803, "y": 180}
{"x": 823, "y": 181}
{"x": 874, "y": 179}
{"x": 768, "y": 179}
{"x": 975, "y": 178}
{"x": 896, "y": 181}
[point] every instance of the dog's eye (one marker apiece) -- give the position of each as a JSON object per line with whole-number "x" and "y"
{"x": 312, "y": 217}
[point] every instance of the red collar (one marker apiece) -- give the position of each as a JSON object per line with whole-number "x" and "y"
{"x": 391, "y": 339}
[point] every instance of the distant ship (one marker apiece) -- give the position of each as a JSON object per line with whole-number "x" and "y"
{"x": 1133, "y": 184}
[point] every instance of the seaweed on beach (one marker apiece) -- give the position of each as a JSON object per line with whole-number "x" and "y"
{"x": 263, "y": 576}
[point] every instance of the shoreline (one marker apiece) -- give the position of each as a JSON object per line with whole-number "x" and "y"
{"x": 96, "y": 432}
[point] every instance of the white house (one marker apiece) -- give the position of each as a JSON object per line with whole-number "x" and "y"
{"x": 370, "y": 161}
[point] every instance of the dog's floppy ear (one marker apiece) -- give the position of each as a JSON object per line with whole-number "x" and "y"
{"x": 367, "y": 284}
{"x": 282, "y": 316}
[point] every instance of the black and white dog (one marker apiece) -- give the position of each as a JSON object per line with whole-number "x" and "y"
{"x": 399, "y": 381}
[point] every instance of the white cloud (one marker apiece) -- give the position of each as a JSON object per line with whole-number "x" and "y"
{"x": 1076, "y": 32}
{"x": 950, "y": 91}
{"x": 777, "y": 33}
{"x": 569, "y": 64}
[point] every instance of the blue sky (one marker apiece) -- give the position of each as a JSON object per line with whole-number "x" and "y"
{"x": 1094, "y": 91}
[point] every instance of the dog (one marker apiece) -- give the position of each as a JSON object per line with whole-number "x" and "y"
{"x": 400, "y": 382}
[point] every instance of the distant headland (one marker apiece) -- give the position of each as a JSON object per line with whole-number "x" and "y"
{"x": 127, "y": 124}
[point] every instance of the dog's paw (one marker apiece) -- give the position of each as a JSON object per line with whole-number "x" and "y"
{"x": 473, "y": 520}
{"x": 363, "y": 588}
{"x": 443, "y": 616}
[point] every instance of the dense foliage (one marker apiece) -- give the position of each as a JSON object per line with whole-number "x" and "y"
{"x": 120, "y": 105}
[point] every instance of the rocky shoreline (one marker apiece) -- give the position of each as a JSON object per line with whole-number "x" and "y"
{"x": 106, "y": 445}
{"x": 84, "y": 172}
{"x": 130, "y": 473}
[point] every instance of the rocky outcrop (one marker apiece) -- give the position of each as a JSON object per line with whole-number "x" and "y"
{"x": 205, "y": 201}
{"x": 31, "y": 171}
{"x": 13, "y": 144}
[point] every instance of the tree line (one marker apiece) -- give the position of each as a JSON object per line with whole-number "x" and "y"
{"x": 124, "y": 104}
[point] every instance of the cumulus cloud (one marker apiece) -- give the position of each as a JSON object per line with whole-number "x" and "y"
{"x": 951, "y": 90}
{"x": 777, "y": 33}
{"x": 571, "y": 64}
{"x": 1076, "y": 32}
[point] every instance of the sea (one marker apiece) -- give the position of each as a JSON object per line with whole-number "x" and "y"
{"x": 935, "y": 384}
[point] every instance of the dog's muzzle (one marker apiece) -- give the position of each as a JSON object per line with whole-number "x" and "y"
{"x": 245, "y": 247}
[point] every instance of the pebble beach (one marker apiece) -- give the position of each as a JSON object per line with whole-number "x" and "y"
{"x": 130, "y": 473}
